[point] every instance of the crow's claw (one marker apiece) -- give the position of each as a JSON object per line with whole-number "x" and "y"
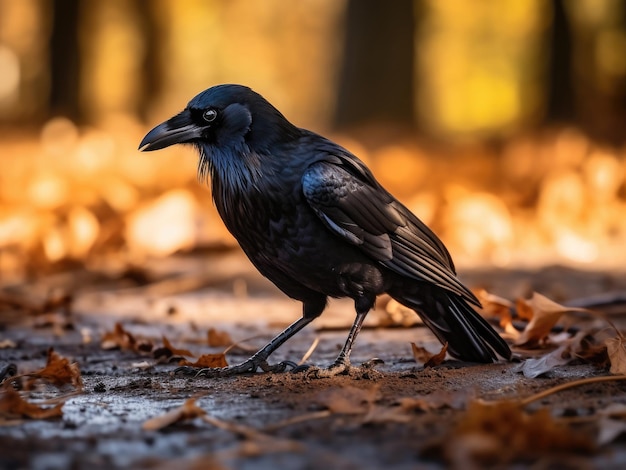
{"x": 372, "y": 363}
{"x": 282, "y": 366}
{"x": 339, "y": 367}
{"x": 301, "y": 368}
{"x": 246, "y": 367}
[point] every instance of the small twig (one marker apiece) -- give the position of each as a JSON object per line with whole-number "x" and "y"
{"x": 238, "y": 345}
{"x": 239, "y": 429}
{"x": 309, "y": 351}
{"x": 538, "y": 396}
{"x": 298, "y": 419}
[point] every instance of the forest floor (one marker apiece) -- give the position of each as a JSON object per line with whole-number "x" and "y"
{"x": 395, "y": 413}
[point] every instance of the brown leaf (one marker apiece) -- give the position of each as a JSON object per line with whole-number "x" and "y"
{"x": 500, "y": 308}
{"x": 348, "y": 400}
{"x": 592, "y": 352}
{"x": 403, "y": 413}
{"x": 438, "y": 358}
{"x": 118, "y": 338}
{"x": 435, "y": 401}
{"x": 59, "y": 371}
{"x": 617, "y": 354}
{"x": 421, "y": 355}
{"x": 7, "y": 344}
{"x": 210, "y": 361}
{"x": 524, "y": 310}
{"x": 495, "y": 306}
{"x": 188, "y": 410}
{"x": 123, "y": 339}
{"x": 545, "y": 314}
{"x": 12, "y": 406}
{"x": 500, "y": 432}
{"x": 218, "y": 338}
{"x": 176, "y": 351}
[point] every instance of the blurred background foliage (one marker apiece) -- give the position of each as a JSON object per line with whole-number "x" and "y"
{"x": 501, "y": 123}
{"x": 447, "y": 69}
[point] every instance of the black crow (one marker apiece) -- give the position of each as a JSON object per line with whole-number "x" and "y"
{"x": 313, "y": 219}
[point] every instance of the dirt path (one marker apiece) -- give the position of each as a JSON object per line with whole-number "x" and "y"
{"x": 398, "y": 415}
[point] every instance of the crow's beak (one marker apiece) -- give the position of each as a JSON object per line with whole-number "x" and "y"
{"x": 177, "y": 130}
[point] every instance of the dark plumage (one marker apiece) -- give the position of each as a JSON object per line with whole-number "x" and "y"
{"x": 313, "y": 219}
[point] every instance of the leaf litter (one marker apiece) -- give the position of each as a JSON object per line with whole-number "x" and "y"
{"x": 475, "y": 418}
{"x": 58, "y": 372}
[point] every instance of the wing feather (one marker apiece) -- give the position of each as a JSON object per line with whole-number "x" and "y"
{"x": 347, "y": 198}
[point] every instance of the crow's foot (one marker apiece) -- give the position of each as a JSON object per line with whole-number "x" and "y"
{"x": 342, "y": 367}
{"x": 249, "y": 366}
{"x": 339, "y": 367}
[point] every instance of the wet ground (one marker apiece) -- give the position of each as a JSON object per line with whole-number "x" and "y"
{"x": 360, "y": 420}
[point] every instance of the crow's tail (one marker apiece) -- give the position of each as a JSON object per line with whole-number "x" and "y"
{"x": 454, "y": 321}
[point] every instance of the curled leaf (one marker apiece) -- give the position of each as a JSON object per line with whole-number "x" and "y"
{"x": 545, "y": 314}
{"x": 210, "y": 361}
{"x": 59, "y": 371}
{"x": 188, "y": 410}
{"x": 422, "y": 355}
{"x": 617, "y": 354}
{"x": 217, "y": 338}
{"x": 501, "y": 432}
{"x": 12, "y": 406}
{"x": 176, "y": 351}
{"x": 534, "y": 367}
{"x": 123, "y": 339}
{"x": 348, "y": 400}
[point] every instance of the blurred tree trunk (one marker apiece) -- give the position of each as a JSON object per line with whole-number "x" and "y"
{"x": 376, "y": 79}
{"x": 65, "y": 60}
{"x": 560, "y": 92}
{"x": 599, "y": 72}
{"x": 587, "y": 76}
{"x": 153, "y": 41}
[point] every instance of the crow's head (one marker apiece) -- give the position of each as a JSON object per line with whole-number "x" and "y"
{"x": 227, "y": 117}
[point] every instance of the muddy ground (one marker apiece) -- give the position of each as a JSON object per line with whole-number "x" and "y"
{"x": 102, "y": 427}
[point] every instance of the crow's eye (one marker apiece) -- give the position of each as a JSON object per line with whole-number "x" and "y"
{"x": 209, "y": 115}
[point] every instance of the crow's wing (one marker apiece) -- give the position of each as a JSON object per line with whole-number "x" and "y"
{"x": 346, "y": 197}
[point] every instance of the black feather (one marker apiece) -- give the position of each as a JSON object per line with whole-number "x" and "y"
{"x": 313, "y": 219}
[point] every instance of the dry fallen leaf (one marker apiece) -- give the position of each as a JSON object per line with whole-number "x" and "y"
{"x": 348, "y": 400}
{"x": 501, "y": 432}
{"x": 123, "y": 339}
{"x": 500, "y": 308}
{"x": 611, "y": 423}
{"x": 583, "y": 347}
{"x": 176, "y": 351}
{"x": 118, "y": 338}
{"x": 435, "y": 401}
{"x": 7, "y": 344}
{"x": 12, "y": 406}
{"x": 524, "y": 309}
{"x": 218, "y": 338}
{"x": 422, "y": 355}
{"x": 59, "y": 371}
{"x": 210, "y": 361}
{"x": 591, "y": 351}
{"x": 545, "y": 314}
{"x": 617, "y": 354}
{"x": 534, "y": 367}
{"x": 188, "y": 410}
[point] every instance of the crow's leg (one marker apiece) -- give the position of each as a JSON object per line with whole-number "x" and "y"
{"x": 311, "y": 310}
{"x": 256, "y": 361}
{"x": 342, "y": 363}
